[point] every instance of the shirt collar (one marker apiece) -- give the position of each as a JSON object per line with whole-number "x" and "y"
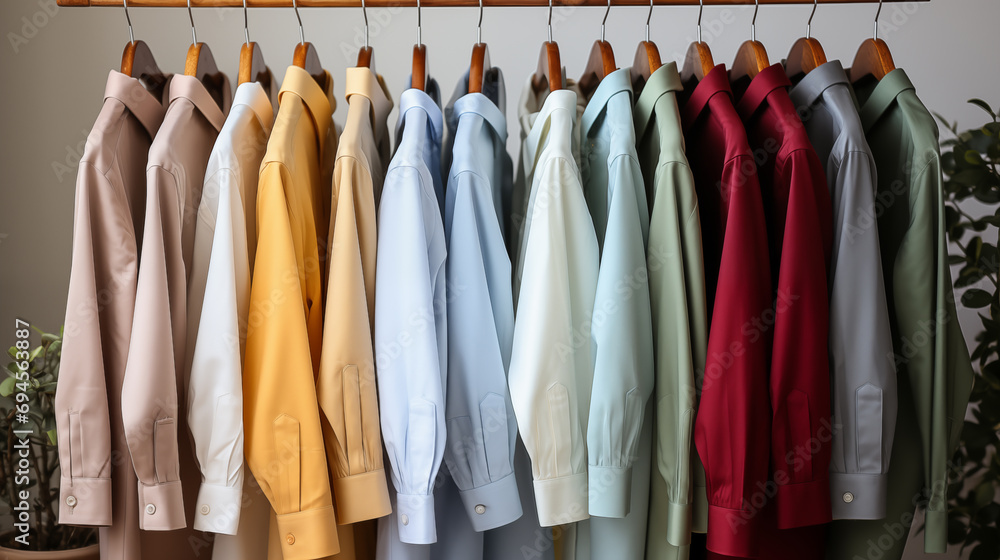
{"x": 812, "y": 86}
{"x": 716, "y": 81}
{"x": 663, "y": 81}
{"x": 885, "y": 92}
{"x": 137, "y": 99}
{"x": 362, "y": 81}
{"x": 614, "y": 83}
{"x": 191, "y": 88}
{"x": 252, "y": 95}
{"x": 481, "y": 105}
{"x": 428, "y": 102}
{"x": 767, "y": 80}
{"x": 317, "y": 99}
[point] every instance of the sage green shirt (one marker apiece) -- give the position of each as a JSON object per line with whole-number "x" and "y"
{"x": 680, "y": 336}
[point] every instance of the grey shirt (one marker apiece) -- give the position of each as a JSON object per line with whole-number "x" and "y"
{"x": 863, "y": 379}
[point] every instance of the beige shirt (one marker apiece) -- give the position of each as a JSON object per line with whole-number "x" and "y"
{"x": 107, "y": 233}
{"x": 155, "y": 429}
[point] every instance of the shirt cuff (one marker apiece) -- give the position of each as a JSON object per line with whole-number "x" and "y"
{"x": 610, "y": 490}
{"x": 218, "y": 509}
{"x": 731, "y": 532}
{"x": 936, "y": 531}
{"x": 309, "y": 534}
{"x": 361, "y": 497}
{"x": 803, "y": 504}
{"x": 678, "y": 524}
{"x": 415, "y": 518}
{"x": 161, "y": 506}
{"x": 493, "y": 505}
{"x": 561, "y": 500}
{"x": 85, "y": 501}
{"x": 858, "y": 495}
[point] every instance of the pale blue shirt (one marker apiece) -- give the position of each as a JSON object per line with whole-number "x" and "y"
{"x": 410, "y": 316}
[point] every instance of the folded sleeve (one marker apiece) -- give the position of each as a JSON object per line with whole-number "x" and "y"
{"x": 409, "y": 314}
{"x": 149, "y": 390}
{"x": 863, "y": 378}
{"x": 551, "y": 370}
{"x": 733, "y": 424}
{"x": 622, "y": 333}
{"x": 800, "y": 374}
{"x": 283, "y": 438}
{"x": 81, "y": 404}
{"x": 215, "y": 385}
{"x": 677, "y": 298}
{"x": 482, "y": 430}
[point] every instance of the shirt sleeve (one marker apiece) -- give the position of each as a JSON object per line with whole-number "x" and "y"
{"x": 215, "y": 385}
{"x": 482, "y": 430}
{"x": 283, "y": 438}
{"x": 551, "y": 370}
{"x": 863, "y": 377}
{"x": 409, "y": 315}
{"x": 81, "y": 405}
{"x": 800, "y": 374}
{"x": 149, "y": 390}
{"x": 346, "y": 387}
{"x": 733, "y": 424}
{"x": 677, "y": 298}
{"x": 622, "y": 332}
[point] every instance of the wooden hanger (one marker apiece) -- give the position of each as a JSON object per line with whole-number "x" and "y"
{"x": 252, "y": 65}
{"x": 873, "y": 60}
{"x": 698, "y": 60}
{"x": 366, "y": 55}
{"x": 138, "y": 62}
{"x": 418, "y": 75}
{"x": 480, "y": 58}
{"x": 647, "y": 59}
{"x": 548, "y": 74}
{"x": 600, "y": 63}
{"x": 200, "y": 64}
{"x": 305, "y": 55}
{"x": 751, "y": 57}
{"x": 806, "y": 54}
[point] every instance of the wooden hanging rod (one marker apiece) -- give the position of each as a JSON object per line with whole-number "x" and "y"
{"x": 437, "y": 3}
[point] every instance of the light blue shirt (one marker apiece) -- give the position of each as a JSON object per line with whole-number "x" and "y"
{"x": 482, "y": 430}
{"x": 410, "y": 315}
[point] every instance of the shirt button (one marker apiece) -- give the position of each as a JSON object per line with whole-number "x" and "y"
{"x": 404, "y": 519}
{"x": 848, "y": 497}
{"x": 480, "y": 509}
{"x": 150, "y": 509}
{"x": 71, "y": 501}
{"x": 290, "y": 538}
{"x": 205, "y": 509}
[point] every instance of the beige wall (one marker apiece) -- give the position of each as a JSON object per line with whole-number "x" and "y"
{"x": 52, "y": 74}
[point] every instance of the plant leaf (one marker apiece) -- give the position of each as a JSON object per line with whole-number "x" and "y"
{"x": 984, "y": 106}
{"x": 7, "y": 386}
{"x": 975, "y": 298}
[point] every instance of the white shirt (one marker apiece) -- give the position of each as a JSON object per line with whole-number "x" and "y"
{"x": 551, "y": 368}
{"x": 218, "y": 301}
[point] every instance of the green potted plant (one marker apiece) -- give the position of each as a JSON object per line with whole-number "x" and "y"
{"x": 969, "y": 162}
{"x": 29, "y": 459}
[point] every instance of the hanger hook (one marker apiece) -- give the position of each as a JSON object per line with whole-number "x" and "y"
{"x": 194, "y": 34}
{"x": 701, "y": 10}
{"x": 603, "y": 21}
{"x": 246, "y": 24}
{"x": 753, "y": 22}
{"x": 364, "y": 12}
{"x": 131, "y": 37}
{"x": 878, "y": 13}
{"x": 419, "y": 38}
{"x": 809, "y": 24}
{"x": 479, "y": 27}
{"x": 550, "y": 21}
{"x": 302, "y": 36}
{"x": 648, "y": 16}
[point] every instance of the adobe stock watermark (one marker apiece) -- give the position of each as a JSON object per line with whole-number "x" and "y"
{"x": 378, "y": 19}
{"x": 31, "y": 25}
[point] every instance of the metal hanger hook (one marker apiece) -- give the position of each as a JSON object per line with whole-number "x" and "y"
{"x": 194, "y": 34}
{"x": 246, "y": 23}
{"x": 701, "y": 10}
{"x": 753, "y": 22}
{"x": 605, "y": 20}
{"x": 648, "y": 16}
{"x": 364, "y": 12}
{"x": 809, "y": 24}
{"x": 479, "y": 26}
{"x": 131, "y": 37}
{"x": 302, "y": 36}
{"x": 878, "y": 13}
{"x": 419, "y": 39}
{"x": 550, "y": 21}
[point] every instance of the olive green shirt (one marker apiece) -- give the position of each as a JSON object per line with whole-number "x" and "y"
{"x": 678, "y": 504}
{"x": 931, "y": 357}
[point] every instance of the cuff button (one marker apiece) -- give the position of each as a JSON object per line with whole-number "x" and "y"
{"x": 404, "y": 519}
{"x": 150, "y": 509}
{"x": 480, "y": 509}
{"x": 848, "y": 497}
{"x": 290, "y": 538}
{"x": 205, "y": 509}
{"x": 71, "y": 501}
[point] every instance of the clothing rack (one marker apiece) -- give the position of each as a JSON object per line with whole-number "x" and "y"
{"x": 439, "y": 3}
